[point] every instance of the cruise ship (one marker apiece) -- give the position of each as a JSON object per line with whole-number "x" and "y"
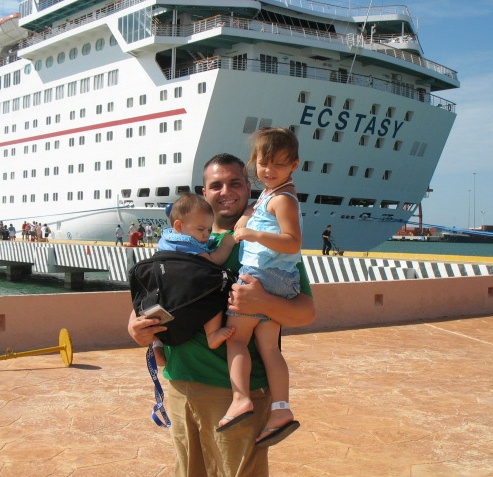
{"x": 109, "y": 110}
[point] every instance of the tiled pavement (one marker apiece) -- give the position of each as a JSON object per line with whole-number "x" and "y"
{"x": 397, "y": 401}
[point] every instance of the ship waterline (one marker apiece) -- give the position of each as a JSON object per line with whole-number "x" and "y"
{"x": 110, "y": 112}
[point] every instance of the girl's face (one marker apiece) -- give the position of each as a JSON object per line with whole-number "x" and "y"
{"x": 275, "y": 171}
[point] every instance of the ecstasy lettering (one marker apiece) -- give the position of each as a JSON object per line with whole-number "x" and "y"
{"x": 364, "y": 123}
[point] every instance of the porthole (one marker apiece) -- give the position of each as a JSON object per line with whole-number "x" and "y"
{"x": 86, "y": 49}
{"x": 73, "y": 53}
{"x": 38, "y": 65}
{"x": 99, "y": 44}
{"x": 27, "y": 69}
{"x": 60, "y": 58}
{"x": 49, "y": 61}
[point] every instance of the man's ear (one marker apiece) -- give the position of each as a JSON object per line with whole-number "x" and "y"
{"x": 177, "y": 225}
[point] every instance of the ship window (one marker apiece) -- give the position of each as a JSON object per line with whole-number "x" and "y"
{"x": 55, "y": 197}
{"x": 48, "y": 120}
{"x": 72, "y": 88}
{"x": 86, "y": 49}
{"x": 307, "y": 166}
{"x": 142, "y": 99}
{"x": 33, "y": 197}
{"x": 379, "y": 143}
{"x": 48, "y": 95}
{"x": 98, "y": 82}
{"x": 142, "y": 161}
{"x": 202, "y": 87}
{"x": 163, "y": 127}
{"x": 73, "y": 53}
{"x": 142, "y": 130}
{"x": 328, "y": 200}
{"x": 97, "y": 137}
{"x": 264, "y": 123}
{"x": 408, "y": 116}
{"x": 56, "y": 170}
{"x": 126, "y": 193}
{"x": 162, "y": 159}
{"x": 27, "y": 69}
{"x": 80, "y": 195}
{"x": 329, "y": 101}
{"x": 109, "y": 135}
{"x": 178, "y": 125}
{"x": 374, "y": 109}
{"x": 422, "y": 149}
{"x": 163, "y": 95}
{"x": 302, "y": 197}
{"x": 298, "y": 69}
{"x": 182, "y": 189}
{"x": 70, "y": 169}
{"x": 250, "y": 125}
{"x": 386, "y": 175}
{"x": 144, "y": 192}
{"x": 99, "y": 44}
{"x": 363, "y": 140}
{"x": 71, "y": 142}
{"x": 37, "y": 98}
{"x": 353, "y": 170}
{"x": 177, "y": 158}
{"x": 25, "y": 174}
{"x": 60, "y": 58}
{"x": 81, "y": 167}
{"x": 113, "y": 78}
{"x": 268, "y": 64}
{"x": 109, "y": 165}
{"x": 97, "y": 194}
{"x": 302, "y": 97}
{"x": 113, "y": 41}
{"x": 70, "y": 196}
{"x": 46, "y": 197}
{"x": 415, "y": 147}
{"x": 368, "y": 172}
{"x": 99, "y": 109}
{"x": 178, "y": 92}
{"x": 107, "y": 193}
{"x": 389, "y": 204}
{"x": 164, "y": 191}
{"x": 97, "y": 166}
{"x": 57, "y": 144}
{"x": 60, "y": 92}
{"x": 359, "y": 202}
{"x": 47, "y": 146}
{"x": 16, "y": 104}
{"x": 37, "y": 66}
{"x": 390, "y": 112}
{"x": 348, "y": 104}
{"x": 129, "y": 133}
{"x": 85, "y": 85}
{"x": 110, "y": 107}
{"x": 34, "y": 148}
{"x": 49, "y": 61}
{"x": 130, "y": 102}
{"x": 5, "y": 176}
{"x": 397, "y": 145}
{"x": 26, "y": 101}
{"x": 326, "y": 168}
{"x": 82, "y": 140}
{"x": 337, "y": 136}
{"x": 318, "y": 134}
{"x": 128, "y": 162}
{"x": 26, "y": 149}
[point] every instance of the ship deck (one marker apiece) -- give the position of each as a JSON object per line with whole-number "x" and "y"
{"x": 400, "y": 401}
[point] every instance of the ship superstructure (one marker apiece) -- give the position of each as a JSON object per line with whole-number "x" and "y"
{"x": 108, "y": 111}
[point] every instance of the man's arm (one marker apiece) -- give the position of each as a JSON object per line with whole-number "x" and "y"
{"x": 252, "y": 299}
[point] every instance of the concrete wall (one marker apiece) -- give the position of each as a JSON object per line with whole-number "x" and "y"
{"x": 97, "y": 320}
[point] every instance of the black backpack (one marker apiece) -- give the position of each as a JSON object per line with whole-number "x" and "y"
{"x": 191, "y": 288}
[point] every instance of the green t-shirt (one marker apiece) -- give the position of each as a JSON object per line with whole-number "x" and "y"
{"x": 194, "y": 361}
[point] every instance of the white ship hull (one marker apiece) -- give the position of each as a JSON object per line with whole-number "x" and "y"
{"x": 112, "y": 135}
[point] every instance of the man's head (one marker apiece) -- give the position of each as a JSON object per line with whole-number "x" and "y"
{"x": 227, "y": 189}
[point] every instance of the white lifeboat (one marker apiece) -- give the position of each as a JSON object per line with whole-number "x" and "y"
{"x": 10, "y": 31}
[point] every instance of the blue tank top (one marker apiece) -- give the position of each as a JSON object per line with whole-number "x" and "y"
{"x": 254, "y": 254}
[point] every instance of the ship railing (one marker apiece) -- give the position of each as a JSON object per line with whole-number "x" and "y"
{"x": 309, "y": 72}
{"x": 350, "y": 40}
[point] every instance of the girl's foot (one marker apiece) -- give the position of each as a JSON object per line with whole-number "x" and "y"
{"x": 217, "y": 338}
{"x": 237, "y": 411}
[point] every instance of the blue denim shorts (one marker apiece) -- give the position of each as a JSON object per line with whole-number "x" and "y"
{"x": 275, "y": 281}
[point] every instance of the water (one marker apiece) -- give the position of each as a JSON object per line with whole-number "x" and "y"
{"x": 97, "y": 281}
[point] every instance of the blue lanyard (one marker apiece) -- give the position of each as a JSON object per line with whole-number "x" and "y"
{"x": 158, "y": 390}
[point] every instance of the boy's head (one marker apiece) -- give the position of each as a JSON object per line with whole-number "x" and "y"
{"x": 192, "y": 215}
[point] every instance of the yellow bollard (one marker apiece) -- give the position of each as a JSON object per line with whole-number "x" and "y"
{"x": 65, "y": 348}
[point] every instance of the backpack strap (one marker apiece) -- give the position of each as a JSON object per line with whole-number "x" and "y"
{"x": 158, "y": 390}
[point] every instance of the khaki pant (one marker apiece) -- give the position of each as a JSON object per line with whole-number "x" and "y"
{"x": 195, "y": 410}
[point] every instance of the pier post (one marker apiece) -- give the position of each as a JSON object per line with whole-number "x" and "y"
{"x": 74, "y": 280}
{"x": 16, "y": 273}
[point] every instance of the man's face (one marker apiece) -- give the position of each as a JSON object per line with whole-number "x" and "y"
{"x": 227, "y": 191}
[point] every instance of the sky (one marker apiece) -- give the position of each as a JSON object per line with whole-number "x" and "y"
{"x": 455, "y": 34}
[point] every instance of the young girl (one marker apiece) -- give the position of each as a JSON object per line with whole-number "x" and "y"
{"x": 270, "y": 250}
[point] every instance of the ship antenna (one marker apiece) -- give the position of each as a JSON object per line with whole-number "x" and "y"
{"x": 362, "y": 40}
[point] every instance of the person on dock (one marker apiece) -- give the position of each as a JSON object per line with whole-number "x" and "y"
{"x": 327, "y": 240}
{"x": 118, "y": 236}
{"x": 199, "y": 384}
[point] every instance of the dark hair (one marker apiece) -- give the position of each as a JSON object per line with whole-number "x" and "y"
{"x": 225, "y": 159}
{"x": 268, "y": 142}
{"x": 188, "y": 203}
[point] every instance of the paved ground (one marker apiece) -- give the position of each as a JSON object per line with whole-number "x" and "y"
{"x": 397, "y": 401}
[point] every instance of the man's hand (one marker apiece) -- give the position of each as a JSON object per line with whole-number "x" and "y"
{"x": 142, "y": 329}
{"x": 248, "y": 299}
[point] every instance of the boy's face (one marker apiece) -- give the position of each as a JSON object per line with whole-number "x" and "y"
{"x": 196, "y": 224}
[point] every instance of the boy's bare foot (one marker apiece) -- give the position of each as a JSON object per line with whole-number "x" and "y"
{"x": 217, "y": 338}
{"x": 238, "y": 410}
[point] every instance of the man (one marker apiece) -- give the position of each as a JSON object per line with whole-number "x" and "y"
{"x": 326, "y": 236}
{"x": 199, "y": 388}
{"x": 118, "y": 235}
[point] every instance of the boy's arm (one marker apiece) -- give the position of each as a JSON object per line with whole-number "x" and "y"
{"x": 222, "y": 253}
